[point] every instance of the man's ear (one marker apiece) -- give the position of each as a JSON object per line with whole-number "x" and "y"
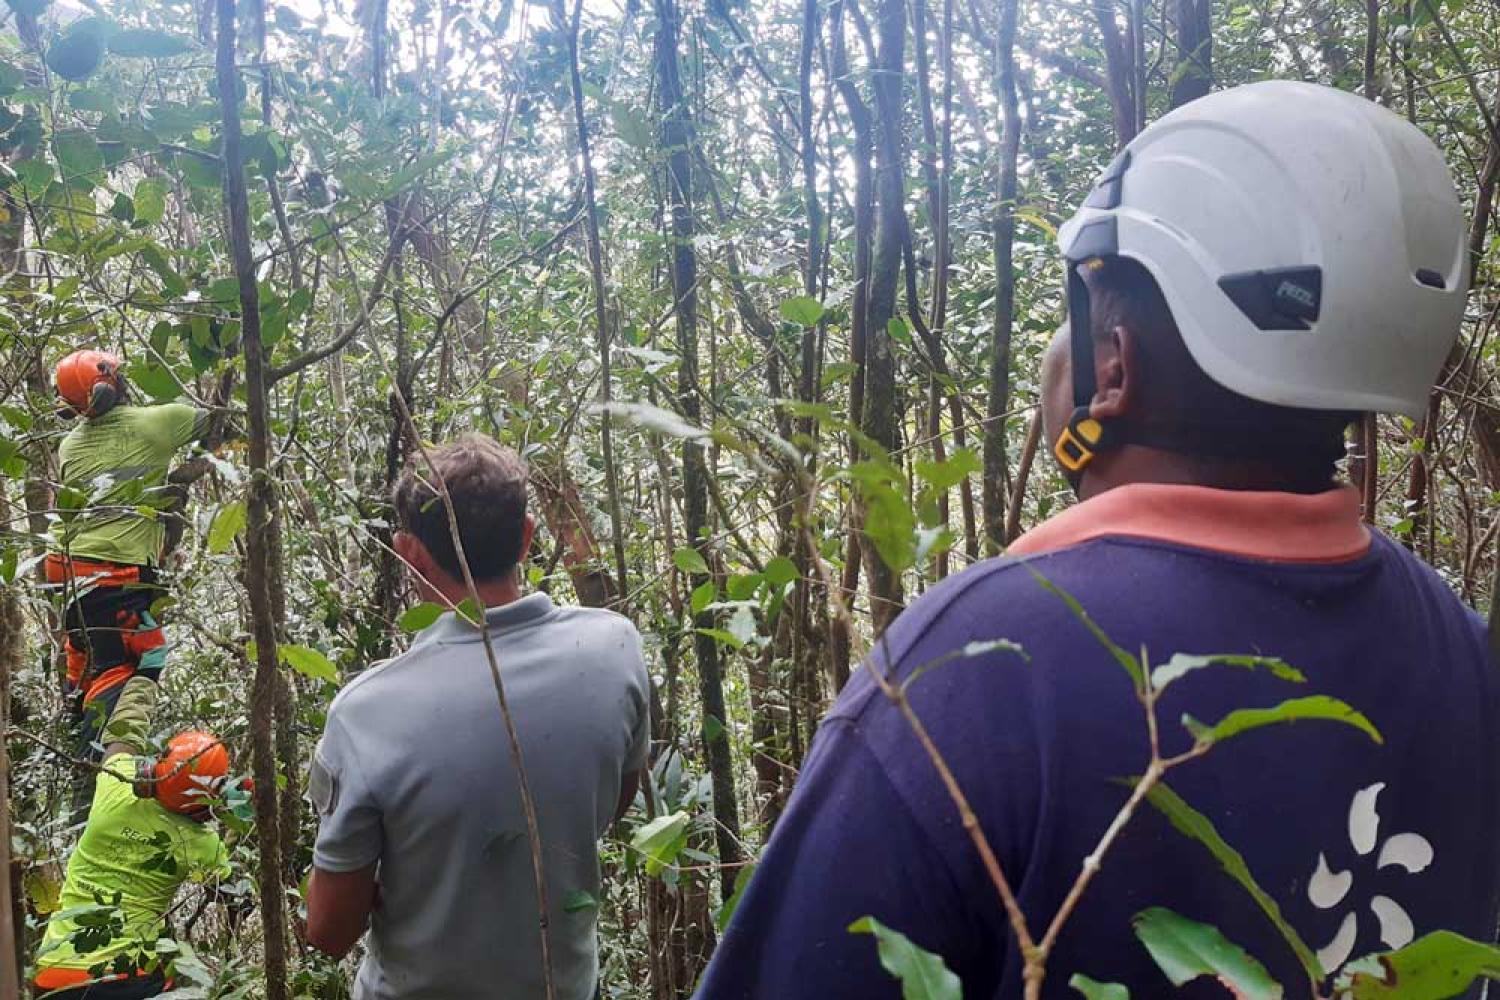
{"x": 1117, "y": 375}
{"x": 412, "y": 552}
{"x": 528, "y": 530}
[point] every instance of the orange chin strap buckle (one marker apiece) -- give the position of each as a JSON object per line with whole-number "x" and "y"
{"x": 1080, "y": 440}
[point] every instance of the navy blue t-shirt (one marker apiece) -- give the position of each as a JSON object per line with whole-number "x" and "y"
{"x": 1361, "y": 845}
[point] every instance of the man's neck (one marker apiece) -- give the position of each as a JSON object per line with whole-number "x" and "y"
{"x": 492, "y": 593}
{"x": 1139, "y": 464}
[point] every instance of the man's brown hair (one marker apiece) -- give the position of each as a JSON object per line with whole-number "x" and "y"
{"x": 487, "y": 482}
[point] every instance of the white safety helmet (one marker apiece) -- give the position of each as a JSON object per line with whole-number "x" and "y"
{"x": 1308, "y": 242}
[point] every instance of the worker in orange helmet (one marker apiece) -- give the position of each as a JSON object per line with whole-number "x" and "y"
{"x": 105, "y": 556}
{"x": 147, "y": 834}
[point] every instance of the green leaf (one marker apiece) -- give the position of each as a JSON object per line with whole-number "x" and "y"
{"x": 579, "y": 899}
{"x": 703, "y": 595}
{"x": 419, "y": 616}
{"x": 468, "y": 610}
{"x": 719, "y": 635}
{"x": 95, "y": 99}
{"x": 1196, "y": 826}
{"x": 1243, "y": 720}
{"x": 29, "y": 8}
{"x": 1184, "y": 663}
{"x": 147, "y": 43}
{"x": 1096, "y": 990}
{"x": 898, "y": 330}
{"x": 171, "y": 282}
{"x": 79, "y": 51}
{"x": 1186, "y": 949}
{"x": 726, "y": 912}
{"x": 228, "y": 523}
{"x": 801, "y": 310}
{"x": 150, "y": 200}
{"x": 690, "y": 561}
{"x": 922, "y": 974}
{"x": 34, "y": 177}
{"x": 1130, "y": 663}
{"x": 1434, "y": 966}
{"x": 780, "y": 571}
{"x": 713, "y": 729}
{"x": 661, "y": 840}
{"x": 943, "y": 476}
{"x": 79, "y": 158}
{"x": 12, "y": 78}
{"x": 157, "y": 381}
{"x": 308, "y": 662}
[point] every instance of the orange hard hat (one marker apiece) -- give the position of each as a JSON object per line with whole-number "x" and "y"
{"x": 90, "y": 381}
{"x": 191, "y": 772}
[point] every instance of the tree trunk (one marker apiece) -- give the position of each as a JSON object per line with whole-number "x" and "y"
{"x": 676, "y": 138}
{"x": 1119, "y": 73}
{"x": 880, "y": 418}
{"x": 260, "y": 548}
{"x": 859, "y": 117}
{"x": 1003, "y": 237}
{"x": 12, "y": 648}
{"x": 1193, "y": 75}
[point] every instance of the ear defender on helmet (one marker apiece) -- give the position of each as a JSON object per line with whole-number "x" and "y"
{"x": 102, "y": 398}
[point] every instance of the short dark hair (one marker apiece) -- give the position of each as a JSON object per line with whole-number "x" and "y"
{"x": 487, "y": 483}
{"x": 1180, "y": 398}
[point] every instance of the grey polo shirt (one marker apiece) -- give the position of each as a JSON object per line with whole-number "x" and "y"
{"x": 414, "y": 771}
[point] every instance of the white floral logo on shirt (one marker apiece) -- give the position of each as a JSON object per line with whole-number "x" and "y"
{"x": 1327, "y": 888}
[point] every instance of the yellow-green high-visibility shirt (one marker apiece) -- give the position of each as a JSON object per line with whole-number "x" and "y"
{"x": 135, "y": 847}
{"x": 120, "y": 460}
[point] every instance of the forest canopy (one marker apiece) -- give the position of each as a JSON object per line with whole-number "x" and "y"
{"x": 759, "y": 291}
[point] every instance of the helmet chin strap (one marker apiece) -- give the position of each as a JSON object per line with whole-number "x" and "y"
{"x": 1085, "y": 435}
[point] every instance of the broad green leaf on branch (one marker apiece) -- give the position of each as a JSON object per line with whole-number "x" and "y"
{"x": 690, "y": 561}
{"x": 1185, "y": 949}
{"x": 34, "y": 177}
{"x": 725, "y": 912}
{"x": 1125, "y": 659}
{"x": 156, "y": 381}
{"x": 943, "y": 476}
{"x": 1196, "y": 826}
{"x": 703, "y": 595}
{"x": 226, "y": 526}
{"x": 29, "y": 8}
{"x": 889, "y": 521}
{"x": 661, "y": 840}
{"x": 1433, "y": 967}
{"x": 77, "y": 54}
{"x": 898, "y": 331}
{"x": 781, "y": 571}
{"x": 79, "y": 158}
{"x": 1094, "y": 990}
{"x": 1243, "y": 720}
{"x": 923, "y": 975}
{"x": 147, "y": 43}
{"x": 308, "y": 662}
{"x": 1182, "y": 664}
{"x": 419, "y": 616}
{"x": 801, "y": 310}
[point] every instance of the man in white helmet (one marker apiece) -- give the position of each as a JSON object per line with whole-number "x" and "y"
{"x": 1255, "y": 269}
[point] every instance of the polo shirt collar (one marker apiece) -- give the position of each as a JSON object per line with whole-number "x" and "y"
{"x": 1277, "y": 527}
{"x": 451, "y": 628}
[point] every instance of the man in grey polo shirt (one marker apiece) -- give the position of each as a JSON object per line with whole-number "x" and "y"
{"x": 421, "y": 834}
